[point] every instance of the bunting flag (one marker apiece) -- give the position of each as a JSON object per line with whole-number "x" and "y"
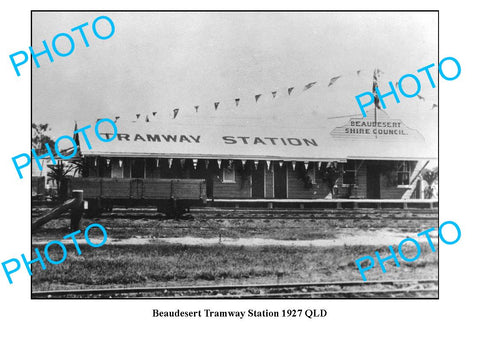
{"x": 376, "y": 75}
{"x": 309, "y": 85}
{"x": 333, "y": 80}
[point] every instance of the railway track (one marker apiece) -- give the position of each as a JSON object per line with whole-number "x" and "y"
{"x": 287, "y": 214}
{"x": 425, "y": 288}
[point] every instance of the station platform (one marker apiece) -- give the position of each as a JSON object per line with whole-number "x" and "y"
{"x": 325, "y": 203}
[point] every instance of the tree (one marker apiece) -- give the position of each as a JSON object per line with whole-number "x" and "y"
{"x": 40, "y": 137}
{"x": 58, "y": 172}
{"x": 431, "y": 177}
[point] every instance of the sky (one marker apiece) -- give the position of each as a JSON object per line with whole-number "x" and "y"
{"x": 159, "y": 61}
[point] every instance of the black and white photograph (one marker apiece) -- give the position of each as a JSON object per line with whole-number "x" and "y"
{"x": 214, "y": 170}
{"x": 235, "y": 154}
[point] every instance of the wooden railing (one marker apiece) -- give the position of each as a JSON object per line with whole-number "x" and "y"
{"x": 75, "y": 205}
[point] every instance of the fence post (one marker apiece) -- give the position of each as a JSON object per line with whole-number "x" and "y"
{"x": 77, "y": 210}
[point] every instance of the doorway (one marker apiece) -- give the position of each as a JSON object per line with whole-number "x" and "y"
{"x": 279, "y": 180}
{"x": 258, "y": 181}
{"x": 138, "y": 168}
{"x": 373, "y": 180}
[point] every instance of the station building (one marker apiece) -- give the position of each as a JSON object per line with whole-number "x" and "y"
{"x": 298, "y": 154}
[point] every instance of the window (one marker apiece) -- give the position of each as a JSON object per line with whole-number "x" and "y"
{"x": 349, "y": 173}
{"x": 311, "y": 174}
{"x": 403, "y": 173}
{"x": 229, "y": 174}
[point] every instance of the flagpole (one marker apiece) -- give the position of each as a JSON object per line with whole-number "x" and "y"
{"x": 375, "y": 84}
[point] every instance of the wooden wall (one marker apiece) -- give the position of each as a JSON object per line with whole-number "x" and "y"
{"x": 296, "y": 186}
{"x": 231, "y": 190}
{"x": 388, "y": 188}
{"x": 360, "y": 189}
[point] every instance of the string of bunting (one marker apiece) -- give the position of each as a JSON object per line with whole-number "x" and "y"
{"x": 376, "y": 75}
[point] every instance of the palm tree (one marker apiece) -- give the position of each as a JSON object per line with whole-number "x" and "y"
{"x": 80, "y": 166}
{"x": 58, "y": 172}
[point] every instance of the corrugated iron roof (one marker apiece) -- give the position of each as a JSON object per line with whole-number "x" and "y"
{"x": 311, "y": 137}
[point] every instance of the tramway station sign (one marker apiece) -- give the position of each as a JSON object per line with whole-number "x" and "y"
{"x": 175, "y": 138}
